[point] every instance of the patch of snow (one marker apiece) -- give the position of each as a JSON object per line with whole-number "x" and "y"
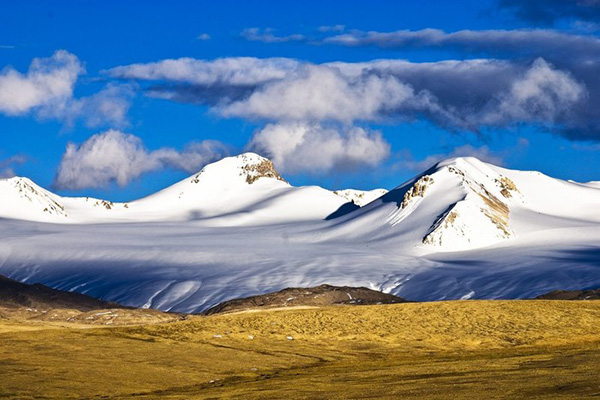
{"x": 468, "y": 295}
{"x": 360, "y": 197}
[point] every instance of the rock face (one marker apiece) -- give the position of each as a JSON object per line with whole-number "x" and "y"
{"x": 418, "y": 189}
{"x": 322, "y": 295}
{"x": 593, "y": 294}
{"x": 262, "y": 169}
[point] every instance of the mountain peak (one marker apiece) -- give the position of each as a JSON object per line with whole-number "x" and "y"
{"x": 250, "y": 166}
{"x": 17, "y": 179}
{"x": 23, "y": 197}
{"x": 465, "y": 164}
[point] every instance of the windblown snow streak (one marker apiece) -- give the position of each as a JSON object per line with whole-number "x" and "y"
{"x": 463, "y": 229}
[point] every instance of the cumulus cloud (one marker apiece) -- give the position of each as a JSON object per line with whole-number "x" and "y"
{"x": 268, "y": 36}
{"x": 299, "y": 147}
{"x": 542, "y": 95}
{"x": 109, "y": 105}
{"x": 322, "y": 93}
{"x": 48, "y": 84}
{"x": 46, "y": 90}
{"x": 8, "y": 164}
{"x": 117, "y": 157}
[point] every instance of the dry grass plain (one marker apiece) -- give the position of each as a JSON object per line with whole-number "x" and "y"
{"x": 443, "y": 350}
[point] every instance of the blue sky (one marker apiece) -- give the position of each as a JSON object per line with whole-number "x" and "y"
{"x": 101, "y": 112}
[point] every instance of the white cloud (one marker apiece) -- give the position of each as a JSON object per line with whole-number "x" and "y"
{"x": 7, "y": 165}
{"x": 319, "y": 93}
{"x": 300, "y": 101}
{"x": 542, "y": 95}
{"x": 229, "y": 71}
{"x": 118, "y": 157}
{"x": 46, "y": 90}
{"x": 108, "y": 106}
{"x": 203, "y": 36}
{"x": 463, "y": 95}
{"x": 268, "y": 36}
{"x": 48, "y": 84}
{"x": 193, "y": 157}
{"x": 298, "y": 147}
{"x": 331, "y": 28}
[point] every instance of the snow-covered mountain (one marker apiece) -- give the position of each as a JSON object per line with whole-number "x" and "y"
{"x": 463, "y": 204}
{"x": 233, "y": 191}
{"x": 462, "y": 229}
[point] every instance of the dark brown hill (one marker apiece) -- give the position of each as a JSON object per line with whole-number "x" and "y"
{"x": 592, "y": 294}
{"x": 316, "y": 296}
{"x": 15, "y": 294}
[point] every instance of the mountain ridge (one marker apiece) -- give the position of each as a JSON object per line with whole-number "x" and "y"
{"x": 463, "y": 229}
{"x": 239, "y": 173}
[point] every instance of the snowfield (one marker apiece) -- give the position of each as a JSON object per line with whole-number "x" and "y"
{"x": 463, "y": 229}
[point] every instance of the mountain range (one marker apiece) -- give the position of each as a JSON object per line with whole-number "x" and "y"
{"x": 462, "y": 229}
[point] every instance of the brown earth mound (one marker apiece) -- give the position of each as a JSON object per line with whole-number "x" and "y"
{"x": 15, "y": 294}
{"x": 37, "y": 303}
{"x": 571, "y": 295}
{"x": 297, "y": 297}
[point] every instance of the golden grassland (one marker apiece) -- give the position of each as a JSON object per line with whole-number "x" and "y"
{"x": 441, "y": 350}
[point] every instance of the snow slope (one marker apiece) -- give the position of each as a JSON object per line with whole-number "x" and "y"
{"x": 360, "y": 197}
{"x": 462, "y": 229}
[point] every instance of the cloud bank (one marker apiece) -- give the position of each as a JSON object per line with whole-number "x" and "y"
{"x": 313, "y": 112}
{"x": 457, "y": 95}
{"x": 117, "y": 157}
{"x": 540, "y": 77}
